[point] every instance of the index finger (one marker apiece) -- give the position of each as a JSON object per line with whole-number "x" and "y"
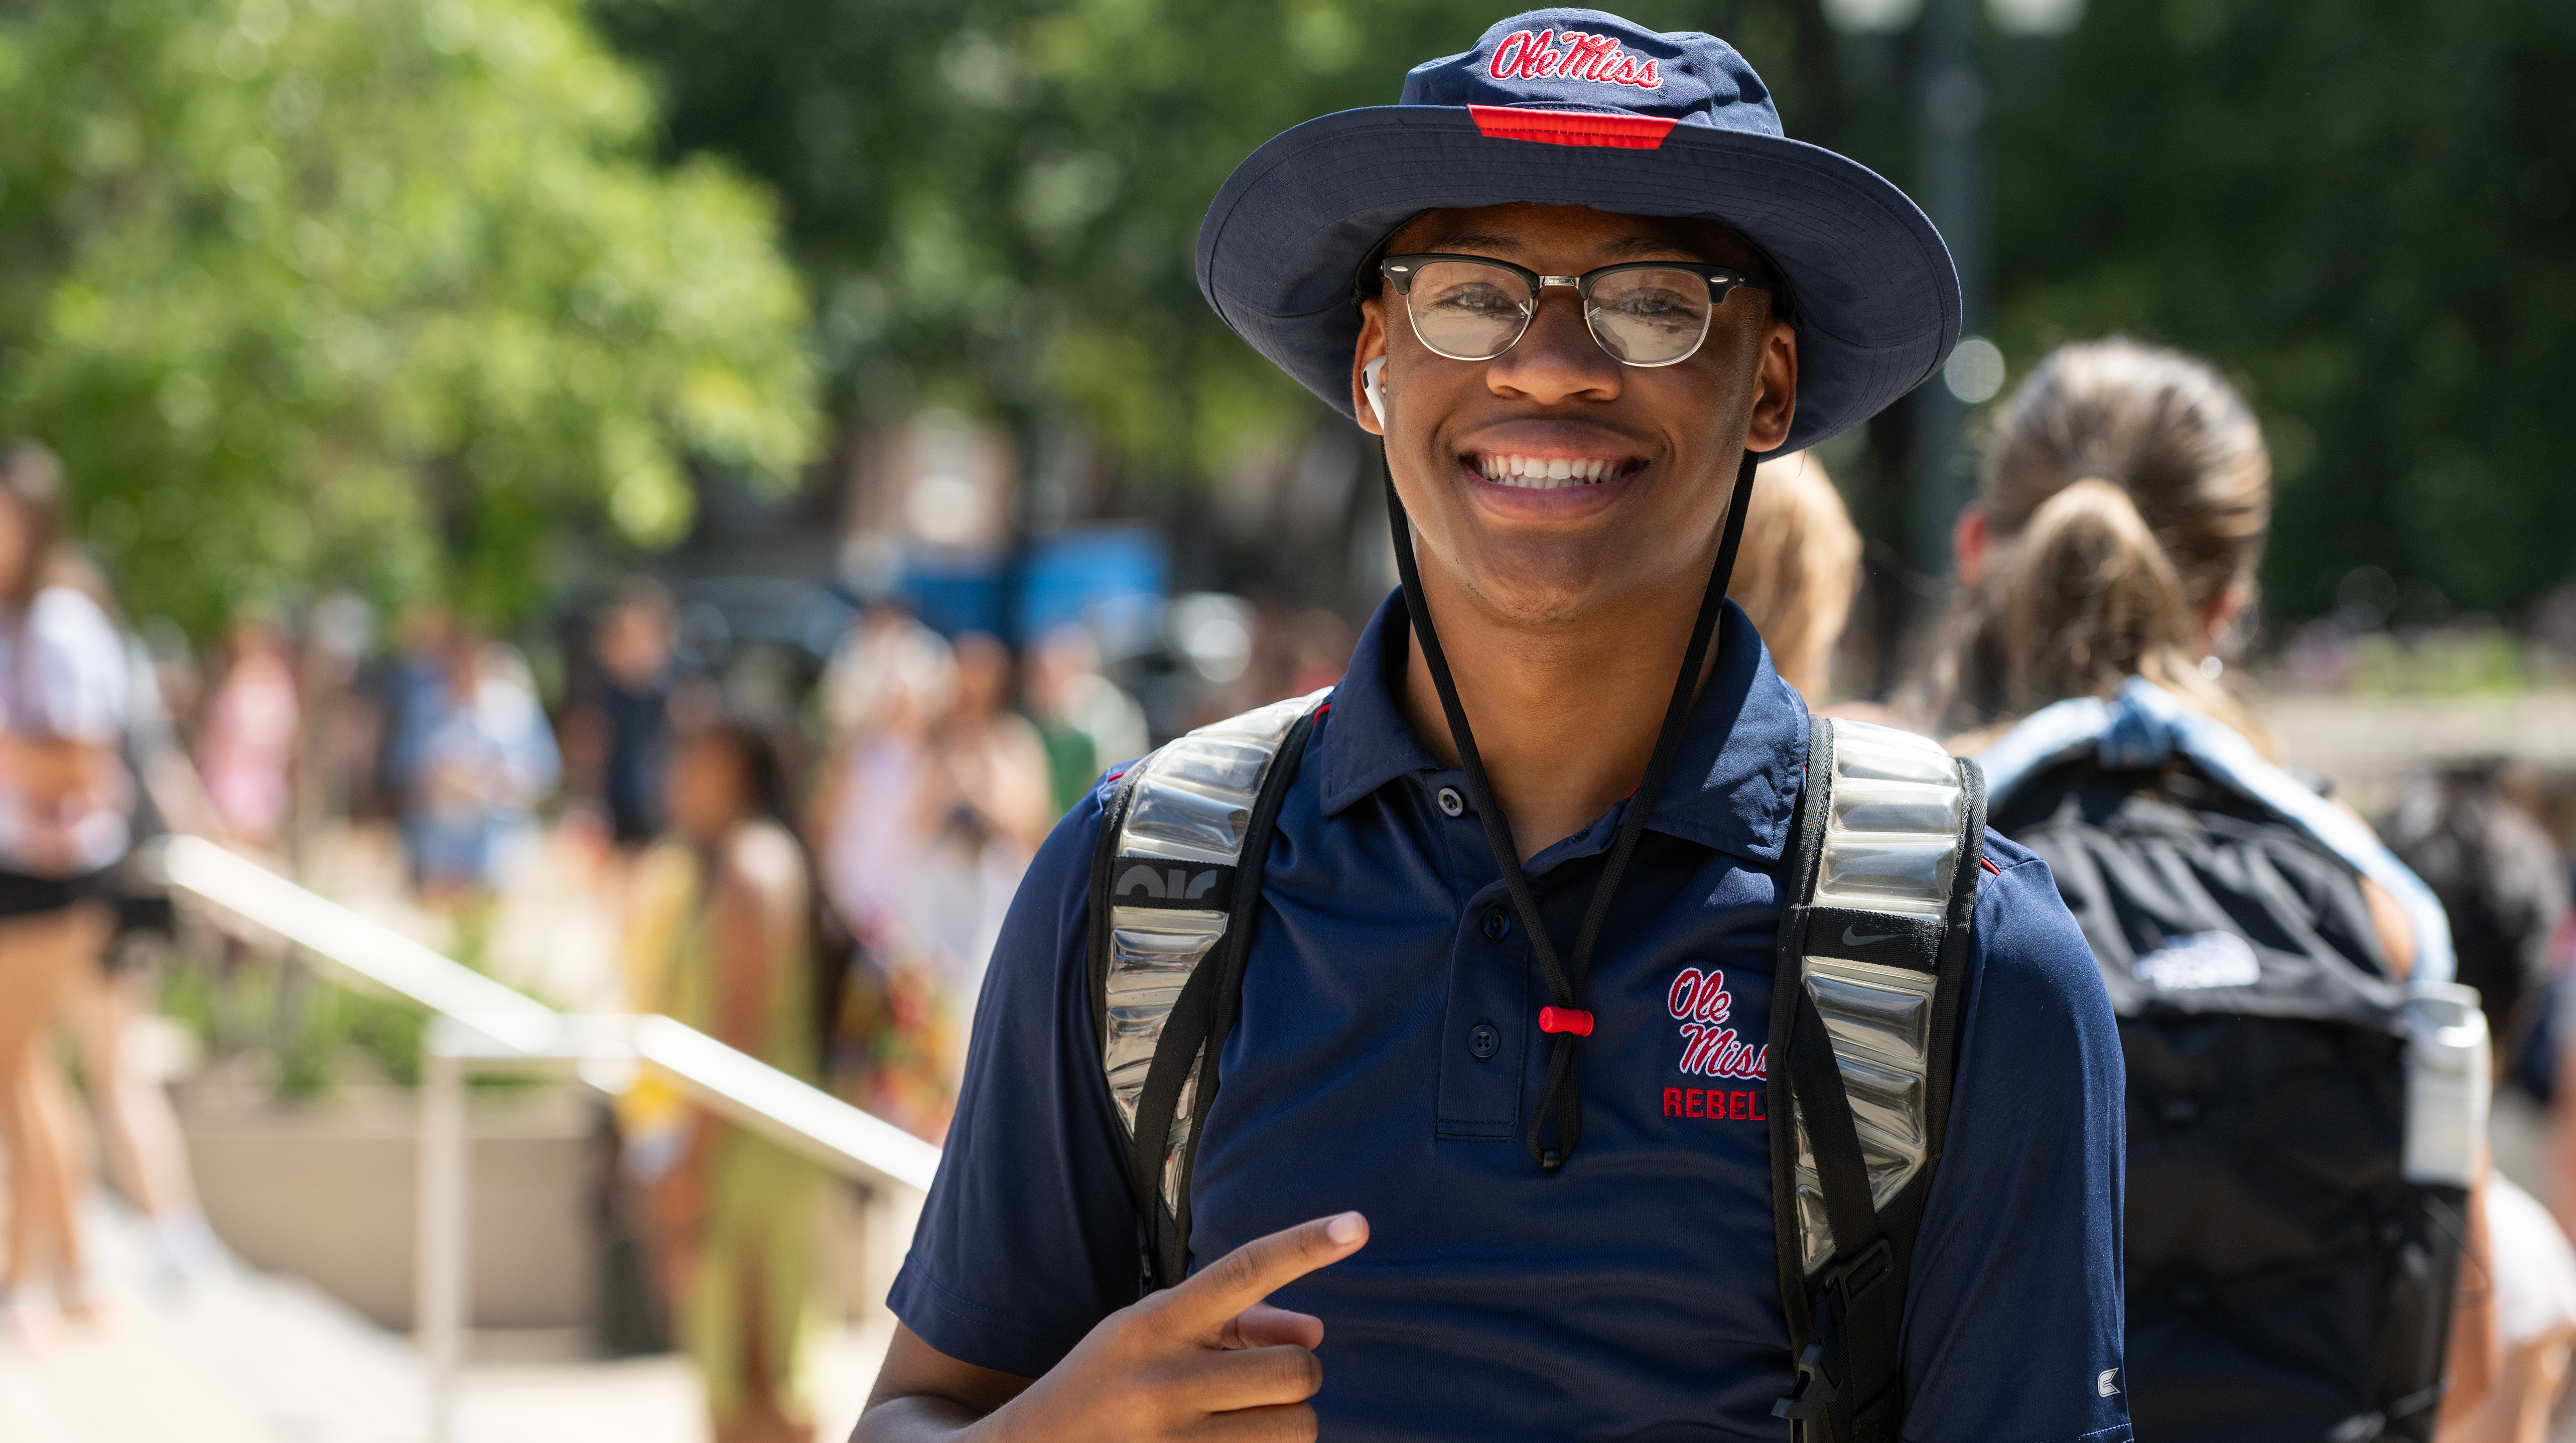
{"x": 1260, "y": 1267}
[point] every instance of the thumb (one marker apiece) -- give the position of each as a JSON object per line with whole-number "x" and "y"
{"x": 1263, "y": 1326}
{"x": 1203, "y": 1305}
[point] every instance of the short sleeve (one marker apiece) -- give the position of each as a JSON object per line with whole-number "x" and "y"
{"x": 2013, "y": 1313}
{"x": 78, "y": 669}
{"x": 1028, "y": 1237}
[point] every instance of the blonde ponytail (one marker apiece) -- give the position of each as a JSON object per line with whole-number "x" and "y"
{"x": 2127, "y": 494}
{"x": 2085, "y": 598}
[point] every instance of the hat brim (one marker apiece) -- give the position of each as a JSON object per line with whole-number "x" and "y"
{"x": 1877, "y": 301}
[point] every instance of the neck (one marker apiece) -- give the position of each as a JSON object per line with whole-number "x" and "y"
{"x": 1565, "y": 712}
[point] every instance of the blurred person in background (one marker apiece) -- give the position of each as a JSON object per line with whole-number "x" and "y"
{"x": 2502, "y": 883}
{"x": 246, "y": 737}
{"x": 617, "y": 730}
{"x": 1087, "y": 722}
{"x": 483, "y": 762}
{"x": 988, "y": 804}
{"x": 936, "y": 798}
{"x": 2256, "y": 940}
{"x": 65, "y": 797}
{"x": 1800, "y": 570}
{"x": 738, "y": 940}
{"x": 111, "y": 1008}
{"x": 412, "y": 695}
{"x": 888, "y": 686}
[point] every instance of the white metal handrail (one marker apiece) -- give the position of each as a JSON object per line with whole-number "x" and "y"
{"x": 483, "y": 1024}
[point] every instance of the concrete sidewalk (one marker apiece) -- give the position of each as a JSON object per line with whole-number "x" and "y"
{"x": 240, "y": 1356}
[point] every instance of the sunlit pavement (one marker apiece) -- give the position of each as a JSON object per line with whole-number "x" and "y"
{"x": 656, "y": 1400}
{"x": 237, "y": 1356}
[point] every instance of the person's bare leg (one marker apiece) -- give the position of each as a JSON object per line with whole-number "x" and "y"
{"x": 39, "y": 959}
{"x": 50, "y": 1097}
{"x": 2517, "y": 1409}
{"x": 763, "y": 1418}
{"x": 146, "y": 1157}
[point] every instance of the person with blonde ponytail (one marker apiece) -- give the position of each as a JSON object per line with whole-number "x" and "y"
{"x": 2125, "y": 503}
{"x": 1799, "y": 571}
{"x": 2296, "y": 1265}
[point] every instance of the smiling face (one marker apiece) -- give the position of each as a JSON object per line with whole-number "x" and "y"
{"x": 1552, "y": 483}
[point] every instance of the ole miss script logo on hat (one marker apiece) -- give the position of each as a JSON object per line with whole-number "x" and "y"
{"x": 1525, "y": 55}
{"x": 1711, "y": 1047}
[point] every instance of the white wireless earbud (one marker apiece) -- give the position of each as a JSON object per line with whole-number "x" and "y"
{"x": 1376, "y": 394}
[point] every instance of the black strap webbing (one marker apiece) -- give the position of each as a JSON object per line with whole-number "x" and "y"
{"x": 1848, "y": 1324}
{"x": 1560, "y": 1104}
{"x": 1199, "y": 1021}
{"x": 1832, "y": 1134}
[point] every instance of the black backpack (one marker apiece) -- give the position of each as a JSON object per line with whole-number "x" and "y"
{"x": 1884, "y": 861}
{"x": 2286, "y": 1281}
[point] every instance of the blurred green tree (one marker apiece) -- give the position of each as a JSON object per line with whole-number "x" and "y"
{"x": 998, "y": 200}
{"x": 2359, "y": 210}
{"x": 380, "y": 293}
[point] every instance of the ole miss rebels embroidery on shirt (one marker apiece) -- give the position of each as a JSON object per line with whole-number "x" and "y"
{"x": 1700, "y": 1002}
{"x": 1524, "y": 56}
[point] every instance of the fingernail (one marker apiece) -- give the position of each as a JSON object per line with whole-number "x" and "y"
{"x": 1346, "y": 1228}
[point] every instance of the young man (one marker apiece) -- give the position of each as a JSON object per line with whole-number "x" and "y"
{"x": 1528, "y": 1184}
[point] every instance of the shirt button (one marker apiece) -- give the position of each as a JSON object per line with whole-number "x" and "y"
{"x": 1483, "y": 1040}
{"x": 1452, "y": 803}
{"x": 1498, "y": 924}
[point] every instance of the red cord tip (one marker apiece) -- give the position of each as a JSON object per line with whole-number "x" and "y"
{"x": 1565, "y": 1019}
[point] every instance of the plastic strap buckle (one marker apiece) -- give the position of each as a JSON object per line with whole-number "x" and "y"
{"x": 1861, "y": 1276}
{"x": 1818, "y": 1387}
{"x": 1815, "y": 1391}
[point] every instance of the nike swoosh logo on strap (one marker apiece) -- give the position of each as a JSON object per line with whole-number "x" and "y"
{"x": 1852, "y": 937}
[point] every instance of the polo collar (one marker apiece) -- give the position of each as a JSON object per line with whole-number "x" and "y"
{"x": 1735, "y": 774}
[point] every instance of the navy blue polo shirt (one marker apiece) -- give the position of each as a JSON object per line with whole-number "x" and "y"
{"x": 1632, "y": 1296}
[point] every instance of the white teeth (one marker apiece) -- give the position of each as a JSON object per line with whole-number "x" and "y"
{"x": 1536, "y": 474}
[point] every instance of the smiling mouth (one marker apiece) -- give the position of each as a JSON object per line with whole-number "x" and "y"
{"x": 1548, "y": 473}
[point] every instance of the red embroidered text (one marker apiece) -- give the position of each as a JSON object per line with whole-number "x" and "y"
{"x": 1717, "y": 1104}
{"x": 1527, "y": 56}
{"x": 1700, "y": 1003}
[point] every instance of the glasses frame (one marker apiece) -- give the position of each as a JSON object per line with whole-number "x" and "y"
{"x": 1399, "y": 272}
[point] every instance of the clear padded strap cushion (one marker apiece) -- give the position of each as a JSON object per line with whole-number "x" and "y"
{"x": 1890, "y": 847}
{"x": 1189, "y": 801}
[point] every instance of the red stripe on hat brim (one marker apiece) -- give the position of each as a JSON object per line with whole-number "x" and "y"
{"x": 1571, "y": 127}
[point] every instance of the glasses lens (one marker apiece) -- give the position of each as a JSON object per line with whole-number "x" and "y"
{"x": 1466, "y": 311}
{"x": 1649, "y": 317}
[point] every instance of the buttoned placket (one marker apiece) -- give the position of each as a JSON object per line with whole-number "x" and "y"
{"x": 1485, "y": 1028}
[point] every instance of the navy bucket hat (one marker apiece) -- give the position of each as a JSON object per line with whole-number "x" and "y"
{"x": 1579, "y": 107}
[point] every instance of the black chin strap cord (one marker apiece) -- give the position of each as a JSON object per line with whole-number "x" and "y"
{"x": 1561, "y": 1100}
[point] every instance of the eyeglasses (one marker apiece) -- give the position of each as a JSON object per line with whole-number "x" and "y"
{"x": 1647, "y": 313}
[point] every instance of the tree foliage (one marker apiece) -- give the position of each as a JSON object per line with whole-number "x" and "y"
{"x": 2359, "y": 210}
{"x": 381, "y": 293}
{"x": 999, "y": 200}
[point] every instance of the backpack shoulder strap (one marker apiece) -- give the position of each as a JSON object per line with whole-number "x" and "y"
{"x": 1871, "y": 971}
{"x": 1175, "y": 884}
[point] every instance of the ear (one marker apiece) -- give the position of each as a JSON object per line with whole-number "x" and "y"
{"x": 1969, "y": 537}
{"x": 1775, "y": 403}
{"x": 1371, "y": 349}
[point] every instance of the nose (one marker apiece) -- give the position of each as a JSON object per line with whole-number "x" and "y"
{"x": 1556, "y": 360}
